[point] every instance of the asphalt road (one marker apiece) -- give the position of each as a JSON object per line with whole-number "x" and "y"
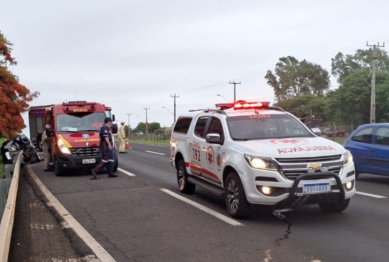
{"x": 134, "y": 220}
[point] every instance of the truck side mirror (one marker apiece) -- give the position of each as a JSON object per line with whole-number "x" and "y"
{"x": 113, "y": 118}
{"x": 114, "y": 128}
{"x": 213, "y": 138}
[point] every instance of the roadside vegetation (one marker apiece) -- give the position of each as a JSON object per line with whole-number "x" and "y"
{"x": 1, "y": 160}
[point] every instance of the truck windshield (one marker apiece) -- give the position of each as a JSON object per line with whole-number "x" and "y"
{"x": 265, "y": 126}
{"x": 79, "y": 122}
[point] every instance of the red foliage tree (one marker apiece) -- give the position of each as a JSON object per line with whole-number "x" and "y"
{"x": 14, "y": 97}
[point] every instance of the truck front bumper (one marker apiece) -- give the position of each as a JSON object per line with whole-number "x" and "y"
{"x": 69, "y": 162}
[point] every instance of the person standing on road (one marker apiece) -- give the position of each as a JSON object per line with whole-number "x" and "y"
{"x": 122, "y": 137}
{"x": 47, "y": 139}
{"x": 106, "y": 147}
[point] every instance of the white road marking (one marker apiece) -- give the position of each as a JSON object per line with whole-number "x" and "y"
{"x": 100, "y": 252}
{"x": 126, "y": 172}
{"x": 369, "y": 195}
{"x": 203, "y": 208}
{"x": 156, "y": 153}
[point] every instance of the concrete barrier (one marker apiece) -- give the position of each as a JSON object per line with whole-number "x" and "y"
{"x": 7, "y": 220}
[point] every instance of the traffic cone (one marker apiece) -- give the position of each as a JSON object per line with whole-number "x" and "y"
{"x": 127, "y": 144}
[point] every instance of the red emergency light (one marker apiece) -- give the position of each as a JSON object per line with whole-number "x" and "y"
{"x": 243, "y": 105}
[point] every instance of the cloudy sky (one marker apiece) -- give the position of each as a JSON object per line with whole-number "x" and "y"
{"x": 136, "y": 54}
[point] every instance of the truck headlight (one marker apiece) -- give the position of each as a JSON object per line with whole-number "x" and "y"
{"x": 348, "y": 158}
{"x": 62, "y": 147}
{"x": 261, "y": 163}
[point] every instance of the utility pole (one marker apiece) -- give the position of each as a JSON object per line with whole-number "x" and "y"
{"x": 175, "y": 96}
{"x": 234, "y": 83}
{"x": 129, "y": 126}
{"x": 373, "y": 91}
{"x": 146, "y": 119}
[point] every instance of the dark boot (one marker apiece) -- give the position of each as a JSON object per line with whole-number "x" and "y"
{"x": 94, "y": 177}
{"x": 112, "y": 175}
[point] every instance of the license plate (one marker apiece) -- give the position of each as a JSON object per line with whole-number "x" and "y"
{"x": 89, "y": 161}
{"x": 316, "y": 188}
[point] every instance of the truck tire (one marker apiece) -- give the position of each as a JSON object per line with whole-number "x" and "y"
{"x": 182, "y": 179}
{"x": 57, "y": 169}
{"x": 116, "y": 163}
{"x": 335, "y": 207}
{"x": 235, "y": 197}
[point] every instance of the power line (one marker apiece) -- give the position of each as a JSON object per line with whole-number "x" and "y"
{"x": 374, "y": 59}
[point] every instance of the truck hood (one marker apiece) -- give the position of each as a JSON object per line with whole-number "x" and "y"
{"x": 77, "y": 140}
{"x": 290, "y": 147}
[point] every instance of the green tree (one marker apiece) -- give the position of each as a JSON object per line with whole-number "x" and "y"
{"x": 342, "y": 65}
{"x": 153, "y": 127}
{"x": 140, "y": 128}
{"x": 294, "y": 78}
{"x": 350, "y": 103}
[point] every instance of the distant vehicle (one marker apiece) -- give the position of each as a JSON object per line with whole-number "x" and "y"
{"x": 369, "y": 145}
{"x": 329, "y": 131}
{"x": 257, "y": 155}
{"x": 76, "y": 126}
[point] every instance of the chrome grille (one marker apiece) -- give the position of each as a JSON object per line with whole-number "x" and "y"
{"x": 85, "y": 152}
{"x": 291, "y": 168}
{"x": 309, "y": 159}
{"x": 293, "y": 174}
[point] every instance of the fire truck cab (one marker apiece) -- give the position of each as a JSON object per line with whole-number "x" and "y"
{"x": 76, "y": 126}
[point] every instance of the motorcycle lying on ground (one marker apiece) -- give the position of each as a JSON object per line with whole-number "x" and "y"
{"x": 21, "y": 142}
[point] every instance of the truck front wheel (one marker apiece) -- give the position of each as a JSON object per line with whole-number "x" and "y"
{"x": 235, "y": 197}
{"x": 57, "y": 169}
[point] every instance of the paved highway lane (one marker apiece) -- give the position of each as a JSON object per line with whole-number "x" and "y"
{"x": 135, "y": 221}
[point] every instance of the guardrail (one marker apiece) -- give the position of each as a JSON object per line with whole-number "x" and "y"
{"x": 8, "y": 193}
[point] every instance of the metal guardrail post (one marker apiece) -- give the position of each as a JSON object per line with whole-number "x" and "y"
{"x": 7, "y": 221}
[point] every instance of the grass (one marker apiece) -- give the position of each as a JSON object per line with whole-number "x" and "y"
{"x": 338, "y": 139}
{"x": 150, "y": 142}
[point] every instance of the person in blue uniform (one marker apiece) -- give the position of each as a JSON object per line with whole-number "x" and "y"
{"x": 106, "y": 148}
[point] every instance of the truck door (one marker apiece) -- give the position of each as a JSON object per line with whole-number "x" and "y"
{"x": 213, "y": 155}
{"x": 198, "y": 146}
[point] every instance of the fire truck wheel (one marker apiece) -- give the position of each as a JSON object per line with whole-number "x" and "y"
{"x": 57, "y": 170}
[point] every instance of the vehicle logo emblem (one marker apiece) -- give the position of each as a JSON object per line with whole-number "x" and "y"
{"x": 314, "y": 166}
{"x": 87, "y": 143}
{"x": 210, "y": 156}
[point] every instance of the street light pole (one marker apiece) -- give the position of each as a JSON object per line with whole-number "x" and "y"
{"x": 223, "y": 97}
{"x": 170, "y": 113}
{"x": 129, "y": 126}
{"x": 146, "y": 118}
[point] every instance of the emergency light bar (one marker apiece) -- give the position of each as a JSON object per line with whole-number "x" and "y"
{"x": 243, "y": 105}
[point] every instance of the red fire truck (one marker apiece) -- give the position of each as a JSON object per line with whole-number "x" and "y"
{"x": 76, "y": 126}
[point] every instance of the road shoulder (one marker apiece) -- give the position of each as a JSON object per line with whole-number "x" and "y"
{"x": 38, "y": 234}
